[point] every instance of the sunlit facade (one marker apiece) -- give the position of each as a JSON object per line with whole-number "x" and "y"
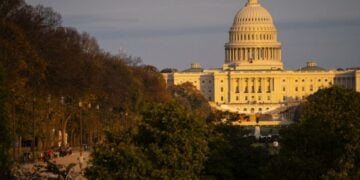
{"x": 252, "y": 79}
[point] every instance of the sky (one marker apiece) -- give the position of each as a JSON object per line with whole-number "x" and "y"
{"x": 176, "y": 33}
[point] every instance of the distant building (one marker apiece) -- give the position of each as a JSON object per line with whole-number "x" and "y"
{"x": 253, "y": 79}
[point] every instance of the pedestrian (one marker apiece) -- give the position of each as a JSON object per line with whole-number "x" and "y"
{"x": 81, "y": 161}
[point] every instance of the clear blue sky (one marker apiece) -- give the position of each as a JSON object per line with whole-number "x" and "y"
{"x": 174, "y": 33}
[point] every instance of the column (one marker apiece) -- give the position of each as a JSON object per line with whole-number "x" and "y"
{"x": 253, "y": 54}
{"x": 279, "y": 55}
{"x": 246, "y": 54}
{"x": 266, "y": 53}
{"x": 226, "y": 52}
{"x": 263, "y": 85}
{"x": 240, "y": 54}
{"x": 234, "y": 54}
{"x": 237, "y": 54}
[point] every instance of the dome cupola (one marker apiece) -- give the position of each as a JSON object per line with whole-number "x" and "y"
{"x": 253, "y": 40}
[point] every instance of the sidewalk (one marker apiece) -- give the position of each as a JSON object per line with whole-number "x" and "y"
{"x": 66, "y": 160}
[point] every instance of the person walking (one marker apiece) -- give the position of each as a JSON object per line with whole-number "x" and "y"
{"x": 81, "y": 161}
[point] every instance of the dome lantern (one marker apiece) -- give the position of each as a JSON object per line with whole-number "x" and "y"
{"x": 252, "y": 2}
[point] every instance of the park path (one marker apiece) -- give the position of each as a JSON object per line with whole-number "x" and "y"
{"x": 66, "y": 160}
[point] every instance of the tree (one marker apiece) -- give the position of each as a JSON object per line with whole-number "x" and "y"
{"x": 232, "y": 155}
{"x": 326, "y": 141}
{"x": 169, "y": 143}
{"x": 188, "y": 95}
{"x": 5, "y": 138}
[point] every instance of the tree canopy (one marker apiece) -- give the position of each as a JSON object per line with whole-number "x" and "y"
{"x": 326, "y": 141}
{"x": 169, "y": 143}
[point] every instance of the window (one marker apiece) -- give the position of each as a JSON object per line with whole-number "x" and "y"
{"x": 303, "y": 88}
{"x": 209, "y": 98}
{"x": 203, "y": 81}
{"x": 222, "y": 98}
{"x": 296, "y": 89}
{"x": 246, "y": 98}
{"x": 237, "y": 98}
{"x": 222, "y": 89}
{"x": 284, "y": 89}
{"x": 221, "y": 81}
{"x": 259, "y": 98}
{"x": 268, "y": 98}
{"x": 245, "y": 109}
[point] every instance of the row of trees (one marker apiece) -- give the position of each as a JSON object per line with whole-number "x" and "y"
{"x": 171, "y": 142}
{"x": 47, "y": 69}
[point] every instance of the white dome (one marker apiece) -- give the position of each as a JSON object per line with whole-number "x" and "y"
{"x": 253, "y": 42}
{"x": 253, "y": 14}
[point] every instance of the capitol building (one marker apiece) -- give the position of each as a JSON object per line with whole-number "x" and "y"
{"x": 253, "y": 79}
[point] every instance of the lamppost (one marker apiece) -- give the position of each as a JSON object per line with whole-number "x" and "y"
{"x": 13, "y": 129}
{"x": 48, "y": 100}
{"x": 62, "y": 101}
{"x": 99, "y": 120}
{"x": 80, "y": 106}
{"x": 33, "y": 130}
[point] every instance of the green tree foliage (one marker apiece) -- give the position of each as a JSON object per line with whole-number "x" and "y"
{"x": 169, "y": 143}
{"x": 233, "y": 155}
{"x": 326, "y": 142}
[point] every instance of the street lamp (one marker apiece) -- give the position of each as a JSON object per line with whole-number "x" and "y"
{"x": 62, "y": 101}
{"x": 99, "y": 120}
{"x": 33, "y": 130}
{"x": 80, "y": 106}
